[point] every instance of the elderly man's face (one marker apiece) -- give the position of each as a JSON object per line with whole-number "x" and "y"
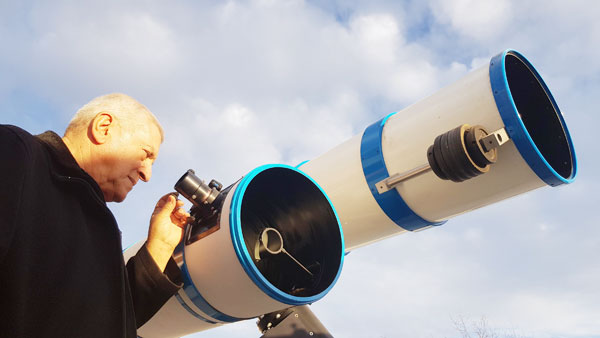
{"x": 127, "y": 158}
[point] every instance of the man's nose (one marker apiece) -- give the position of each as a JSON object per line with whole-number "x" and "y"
{"x": 145, "y": 172}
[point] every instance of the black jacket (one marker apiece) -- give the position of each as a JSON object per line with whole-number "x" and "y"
{"x": 62, "y": 272}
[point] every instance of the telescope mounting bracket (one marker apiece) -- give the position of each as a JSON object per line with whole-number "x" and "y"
{"x": 294, "y": 322}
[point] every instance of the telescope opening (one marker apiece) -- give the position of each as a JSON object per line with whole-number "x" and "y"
{"x": 540, "y": 115}
{"x": 284, "y": 211}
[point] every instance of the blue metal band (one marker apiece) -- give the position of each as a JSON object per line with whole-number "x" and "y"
{"x": 514, "y": 124}
{"x": 191, "y": 311}
{"x": 235, "y": 224}
{"x": 190, "y": 290}
{"x": 375, "y": 170}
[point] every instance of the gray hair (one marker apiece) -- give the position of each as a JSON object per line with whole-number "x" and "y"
{"x": 126, "y": 110}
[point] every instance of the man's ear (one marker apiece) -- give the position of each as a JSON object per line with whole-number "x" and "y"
{"x": 101, "y": 127}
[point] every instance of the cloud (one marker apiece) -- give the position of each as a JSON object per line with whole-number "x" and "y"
{"x": 238, "y": 84}
{"x": 479, "y": 20}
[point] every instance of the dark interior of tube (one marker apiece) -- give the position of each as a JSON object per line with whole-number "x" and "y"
{"x": 539, "y": 114}
{"x": 287, "y": 201}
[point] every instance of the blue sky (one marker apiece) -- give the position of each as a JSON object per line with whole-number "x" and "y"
{"x": 237, "y": 84}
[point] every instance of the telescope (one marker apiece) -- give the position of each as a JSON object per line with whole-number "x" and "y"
{"x": 274, "y": 242}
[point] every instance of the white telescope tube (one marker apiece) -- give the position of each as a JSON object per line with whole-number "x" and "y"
{"x": 224, "y": 280}
{"x": 507, "y": 94}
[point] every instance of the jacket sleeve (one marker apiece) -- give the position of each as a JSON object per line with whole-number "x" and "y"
{"x": 150, "y": 287}
{"x": 14, "y": 158}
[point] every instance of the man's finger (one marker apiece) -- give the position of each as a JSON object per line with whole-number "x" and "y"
{"x": 166, "y": 204}
{"x": 179, "y": 220}
{"x": 180, "y": 214}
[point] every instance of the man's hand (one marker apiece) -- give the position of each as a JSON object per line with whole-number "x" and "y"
{"x": 166, "y": 229}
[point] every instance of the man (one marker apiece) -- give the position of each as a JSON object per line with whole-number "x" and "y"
{"x": 62, "y": 272}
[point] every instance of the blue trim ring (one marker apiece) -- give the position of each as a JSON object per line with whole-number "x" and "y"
{"x": 191, "y": 311}
{"x": 375, "y": 170}
{"x": 235, "y": 225}
{"x": 514, "y": 124}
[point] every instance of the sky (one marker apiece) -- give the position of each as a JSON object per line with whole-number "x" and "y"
{"x": 237, "y": 84}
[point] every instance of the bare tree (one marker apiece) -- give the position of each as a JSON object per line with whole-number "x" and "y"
{"x": 480, "y": 329}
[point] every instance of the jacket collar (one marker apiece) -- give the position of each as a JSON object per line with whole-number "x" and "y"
{"x": 63, "y": 161}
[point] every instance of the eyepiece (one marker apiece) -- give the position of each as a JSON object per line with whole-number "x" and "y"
{"x": 195, "y": 190}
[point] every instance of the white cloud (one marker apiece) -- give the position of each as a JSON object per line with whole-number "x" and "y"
{"x": 239, "y": 84}
{"x": 378, "y": 36}
{"x": 237, "y": 115}
{"x": 476, "y": 19}
{"x": 478, "y": 62}
{"x": 540, "y": 312}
